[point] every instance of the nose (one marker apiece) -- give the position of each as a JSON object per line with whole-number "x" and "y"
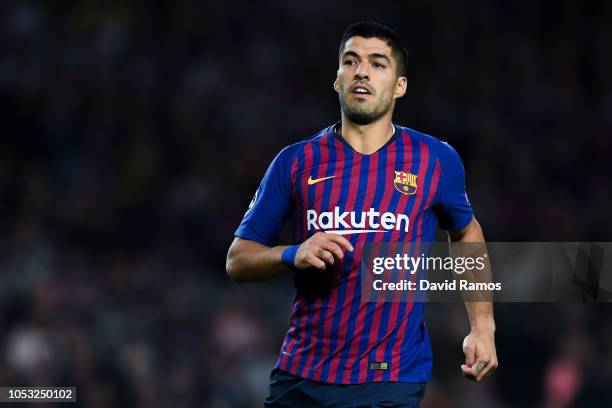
{"x": 362, "y": 71}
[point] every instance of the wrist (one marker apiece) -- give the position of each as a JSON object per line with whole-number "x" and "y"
{"x": 483, "y": 325}
{"x": 288, "y": 256}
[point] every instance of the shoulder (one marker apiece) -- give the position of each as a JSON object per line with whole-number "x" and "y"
{"x": 440, "y": 149}
{"x": 294, "y": 151}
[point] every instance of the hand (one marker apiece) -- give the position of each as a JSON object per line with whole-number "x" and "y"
{"x": 480, "y": 355}
{"x": 321, "y": 250}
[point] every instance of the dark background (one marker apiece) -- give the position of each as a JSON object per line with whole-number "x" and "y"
{"x": 133, "y": 135}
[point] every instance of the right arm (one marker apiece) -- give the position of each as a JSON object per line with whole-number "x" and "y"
{"x": 250, "y": 261}
{"x": 252, "y": 257}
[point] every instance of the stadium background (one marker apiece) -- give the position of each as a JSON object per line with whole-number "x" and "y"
{"x": 133, "y": 135}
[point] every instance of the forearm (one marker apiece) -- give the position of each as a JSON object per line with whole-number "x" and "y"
{"x": 481, "y": 316}
{"x": 470, "y": 233}
{"x": 480, "y": 313}
{"x": 250, "y": 261}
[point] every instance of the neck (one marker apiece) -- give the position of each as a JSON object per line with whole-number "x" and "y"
{"x": 366, "y": 139}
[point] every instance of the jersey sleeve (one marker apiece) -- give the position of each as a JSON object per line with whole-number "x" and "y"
{"x": 454, "y": 210}
{"x": 271, "y": 205}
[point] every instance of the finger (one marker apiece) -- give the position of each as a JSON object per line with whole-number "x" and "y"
{"x": 326, "y": 256}
{"x": 316, "y": 262}
{"x": 479, "y": 368}
{"x": 340, "y": 240}
{"x": 470, "y": 354}
{"x": 487, "y": 370}
{"x": 333, "y": 248}
{"x": 472, "y": 372}
{"x": 483, "y": 358}
{"x": 478, "y": 371}
{"x": 468, "y": 372}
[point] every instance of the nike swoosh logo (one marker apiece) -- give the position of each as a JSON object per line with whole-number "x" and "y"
{"x": 312, "y": 181}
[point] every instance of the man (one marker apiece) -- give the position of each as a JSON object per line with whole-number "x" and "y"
{"x": 361, "y": 181}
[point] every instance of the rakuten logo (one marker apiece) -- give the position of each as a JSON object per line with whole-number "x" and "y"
{"x": 352, "y": 223}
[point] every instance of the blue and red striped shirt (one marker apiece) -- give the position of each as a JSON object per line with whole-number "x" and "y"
{"x": 398, "y": 194}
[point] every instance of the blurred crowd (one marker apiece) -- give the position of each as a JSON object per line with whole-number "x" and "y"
{"x": 133, "y": 135}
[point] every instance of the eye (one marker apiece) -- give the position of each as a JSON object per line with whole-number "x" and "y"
{"x": 379, "y": 65}
{"x": 349, "y": 62}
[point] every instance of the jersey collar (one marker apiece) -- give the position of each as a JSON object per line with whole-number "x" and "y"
{"x": 332, "y": 130}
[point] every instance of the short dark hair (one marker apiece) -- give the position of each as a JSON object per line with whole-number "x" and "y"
{"x": 371, "y": 29}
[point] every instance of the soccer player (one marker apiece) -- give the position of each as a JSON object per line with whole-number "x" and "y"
{"x": 363, "y": 180}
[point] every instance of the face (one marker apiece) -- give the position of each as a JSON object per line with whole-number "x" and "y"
{"x": 367, "y": 83}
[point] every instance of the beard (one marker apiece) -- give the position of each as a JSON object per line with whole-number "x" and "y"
{"x": 363, "y": 113}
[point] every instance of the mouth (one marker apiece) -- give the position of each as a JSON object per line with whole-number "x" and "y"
{"x": 361, "y": 90}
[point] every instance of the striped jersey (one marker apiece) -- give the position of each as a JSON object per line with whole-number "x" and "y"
{"x": 399, "y": 193}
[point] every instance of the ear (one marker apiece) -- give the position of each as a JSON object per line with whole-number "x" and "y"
{"x": 336, "y": 85}
{"x": 400, "y": 87}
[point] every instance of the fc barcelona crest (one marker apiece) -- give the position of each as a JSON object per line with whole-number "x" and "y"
{"x": 405, "y": 183}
